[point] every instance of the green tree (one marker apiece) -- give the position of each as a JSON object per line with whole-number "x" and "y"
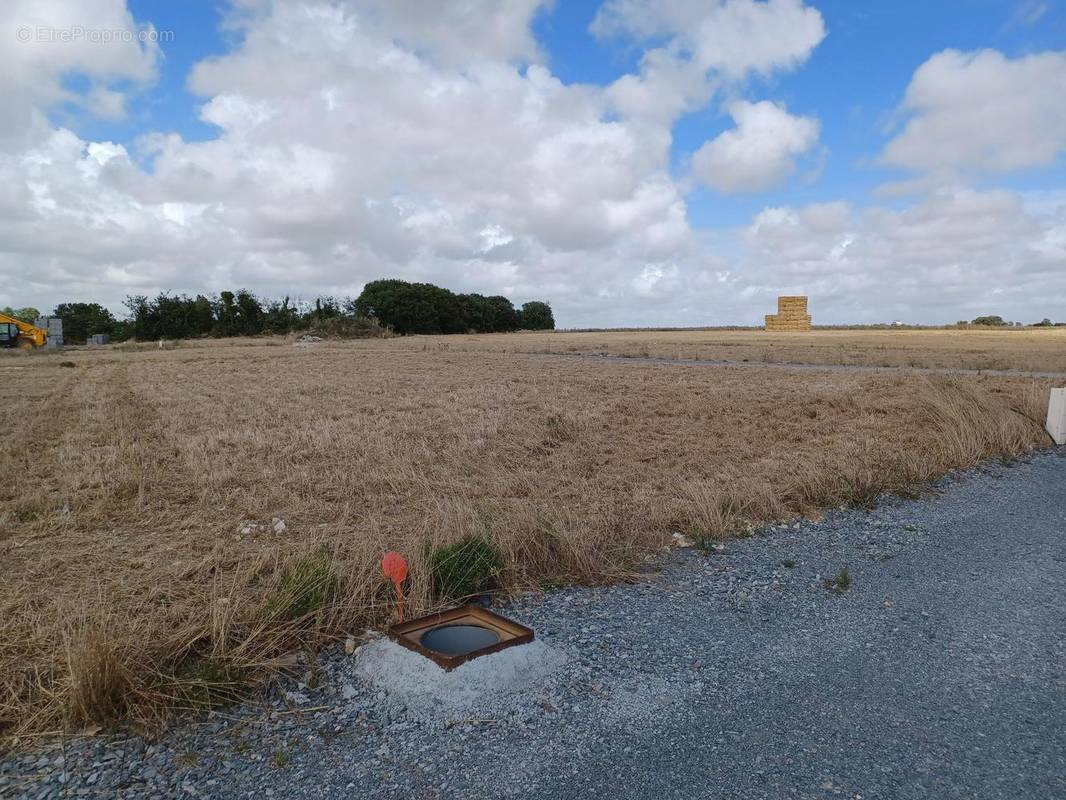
{"x": 425, "y": 308}
{"x": 249, "y": 314}
{"x": 281, "y": 317}
{"x": 225, "y": 315}
{"x": 404, "y": 307}
{"x": 142, "y": 323}
{"x": 993, "y": 320}
{"x": 239, "y": 314}
{"x": 201, "y": 315}
{"x": 479, "y": 313}
{"x": 28, "y": 314}
{"x": 537, "y": 315}
{"x": 504, "y": 316}
{"x": 82, "y": 320}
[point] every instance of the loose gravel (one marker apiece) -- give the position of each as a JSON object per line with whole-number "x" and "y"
{"x": 746, "y": 672}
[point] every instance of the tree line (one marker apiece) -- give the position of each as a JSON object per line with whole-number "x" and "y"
{"x": 425, "y": 308}
{"x": 996, "y": 321}
{"x": 399, "y": 306}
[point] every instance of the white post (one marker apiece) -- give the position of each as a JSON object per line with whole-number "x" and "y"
{"x": 1056, "y": 416}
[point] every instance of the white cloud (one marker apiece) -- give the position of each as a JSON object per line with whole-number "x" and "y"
{"x": 352, "y": 146}
{"x": 760, "y": 152}
{"x": 983, "y": 112}
{"x": 658, "y": 281}
{"x": 456, "y": 33}
{"x": 702, "y": 45}
{"x": 42, "y": 42}
{"x": 959, "y": 252}
{"x": 733, "y": 37}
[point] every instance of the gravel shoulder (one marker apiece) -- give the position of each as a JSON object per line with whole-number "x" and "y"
{"x": 940, "y": 672}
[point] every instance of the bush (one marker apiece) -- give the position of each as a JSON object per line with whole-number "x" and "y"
{"x": 349, "y": 328}
{"x": 305, "y": 586}
{"x": 466, "y": 568}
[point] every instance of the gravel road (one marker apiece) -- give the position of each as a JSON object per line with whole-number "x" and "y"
{"x": 940, "y": 672}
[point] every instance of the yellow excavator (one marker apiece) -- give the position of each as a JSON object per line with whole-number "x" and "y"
{"x": 16, "y": 333}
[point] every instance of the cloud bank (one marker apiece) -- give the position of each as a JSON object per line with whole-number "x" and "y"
{"x": 358, "y": 140}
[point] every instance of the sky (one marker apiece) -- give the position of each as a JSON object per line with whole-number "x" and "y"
{"x": 632, "y": 162}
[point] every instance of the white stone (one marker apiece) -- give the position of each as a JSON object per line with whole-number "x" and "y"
{"x": 1056, "y": 416}
{"x": 297, "y": 698}
{"x": 278, "y": 524}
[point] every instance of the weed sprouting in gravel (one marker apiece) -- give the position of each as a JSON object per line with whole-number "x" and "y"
{"x": 705, "y": 544}
{"x": 840, "y": 583}
{"x": 862, "y": 495}
{"x": 788, "y": 563}
{"x": 190, "y": 758}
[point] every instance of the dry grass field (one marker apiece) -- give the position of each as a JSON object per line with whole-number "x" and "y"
{"x": 1029, "y": 349}
{"x": 130, "y": 587}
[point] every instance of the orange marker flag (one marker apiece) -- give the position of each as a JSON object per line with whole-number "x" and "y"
{"x": 395, "y": 568}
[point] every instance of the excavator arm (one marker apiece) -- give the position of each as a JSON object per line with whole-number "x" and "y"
{"x": 16, "y": 333}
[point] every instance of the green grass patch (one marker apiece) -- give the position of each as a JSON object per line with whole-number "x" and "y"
{"x": 305, "y": 586}
{"x": 465, "y": 568}
{"x": 202, "y": 682}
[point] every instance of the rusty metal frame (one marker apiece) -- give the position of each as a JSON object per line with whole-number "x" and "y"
{"x": 409, "y": 633}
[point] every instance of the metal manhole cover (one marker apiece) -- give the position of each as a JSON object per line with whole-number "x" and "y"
{"x": 458, "y": 640}
{"x": 454, "y": 637}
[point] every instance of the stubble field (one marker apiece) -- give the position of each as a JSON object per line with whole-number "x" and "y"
{"x": 1025, "y": 349}
{"x": 136, "y": 522}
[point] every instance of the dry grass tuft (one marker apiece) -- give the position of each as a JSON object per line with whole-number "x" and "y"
{"x": 143, "y": 573}
{"x": 99, "y": 679}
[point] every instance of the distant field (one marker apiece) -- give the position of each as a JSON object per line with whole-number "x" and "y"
{"x": 131, "y": 473}
{"x": 1030, "y": 349}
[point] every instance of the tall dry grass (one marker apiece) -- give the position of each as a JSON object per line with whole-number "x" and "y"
{"x": 130, "y": 589}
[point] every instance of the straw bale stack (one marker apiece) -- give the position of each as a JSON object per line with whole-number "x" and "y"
{"x": 791, "y": 315}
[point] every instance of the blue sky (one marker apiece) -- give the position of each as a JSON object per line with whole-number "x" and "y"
{"x": 853, "y": 82}
{"x": 741, "y": 220}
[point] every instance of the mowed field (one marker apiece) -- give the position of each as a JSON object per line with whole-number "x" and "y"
{"x": 133, "y": 581}
{"x": 1027, "y": 349}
